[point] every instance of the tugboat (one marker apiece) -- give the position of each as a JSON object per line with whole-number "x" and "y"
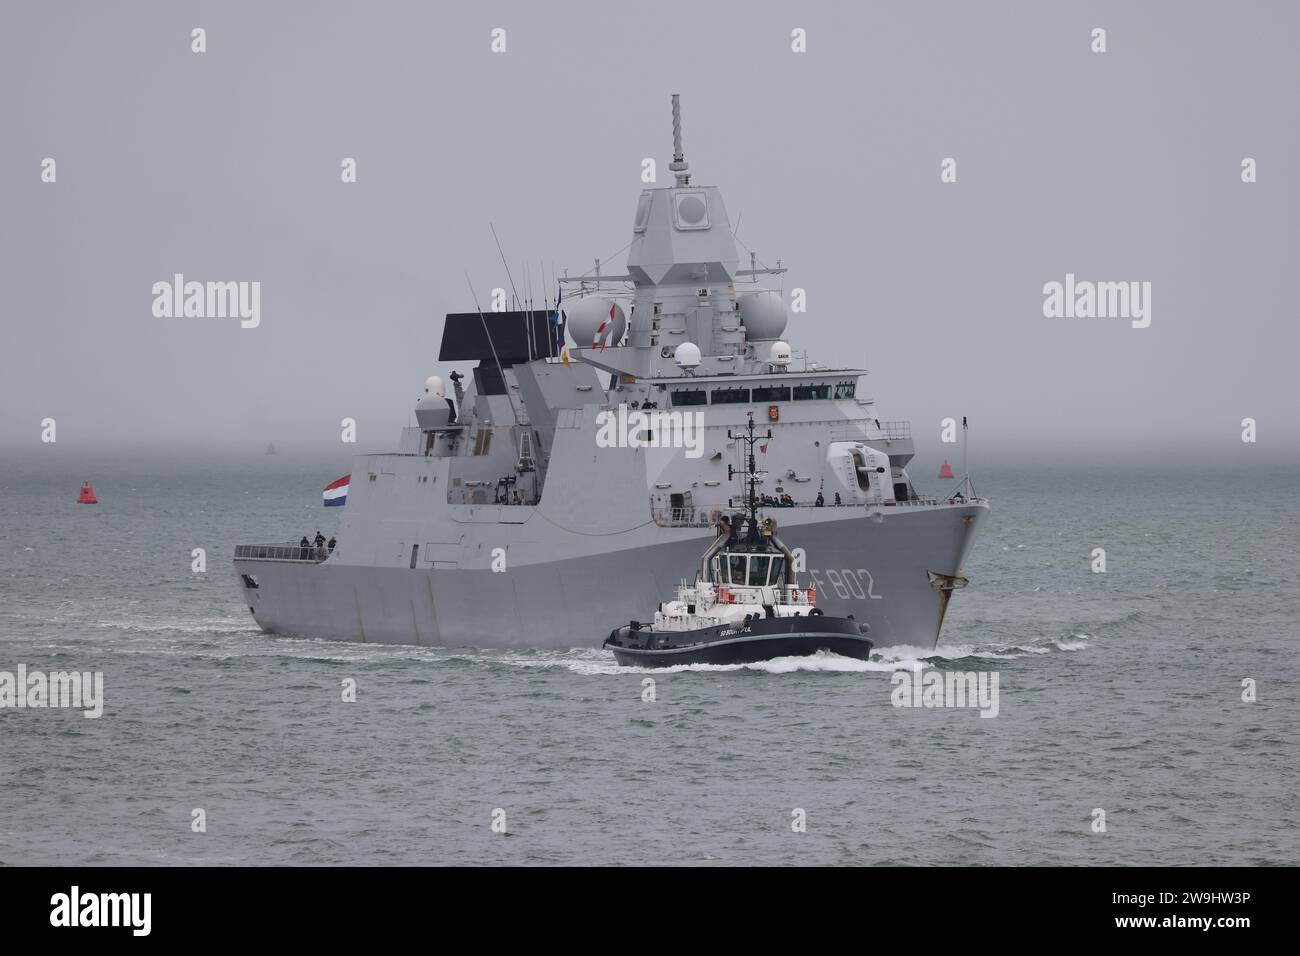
{"x": 745, "y": 605}
{"x": 87, "y": 495}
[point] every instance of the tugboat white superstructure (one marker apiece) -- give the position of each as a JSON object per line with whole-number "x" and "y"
{"x": 745, "y": 605}
{"x": 544, "y": 486}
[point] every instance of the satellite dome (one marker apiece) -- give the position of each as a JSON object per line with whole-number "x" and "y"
{"x": 687, "y": 355}
{"x": 780, "y": 354}
{"x": 595, "y": 321}
{"x": 434, "y": 387}
{"x": 763, "y": 314}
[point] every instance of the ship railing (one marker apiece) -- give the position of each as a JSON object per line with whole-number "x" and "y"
{"x": 927, "y": 501}
{"x": 932, "y": 500}
{"x": 682, "y": 517}
{"x": 708, "y": 517}
{"x": 861, "y": 431}
{"x": 919, "y": 501}
{"x": 896, "y": 430}
{"x": 286, "y": 551}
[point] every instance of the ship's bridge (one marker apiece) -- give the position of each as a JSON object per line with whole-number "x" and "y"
{"x": 776, "y": 388}
{"x": 748, "y": 568}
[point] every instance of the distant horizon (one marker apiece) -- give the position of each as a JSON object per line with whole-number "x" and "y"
{"x": 1106, "y": 453}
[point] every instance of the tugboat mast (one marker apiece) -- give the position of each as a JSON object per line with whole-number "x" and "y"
{"x": 751, "y": 473}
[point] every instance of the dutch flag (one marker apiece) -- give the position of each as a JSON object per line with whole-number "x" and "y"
{"x": 336, "y": 492}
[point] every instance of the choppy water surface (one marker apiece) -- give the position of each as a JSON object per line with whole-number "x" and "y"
{"x": 1119, "y": 691}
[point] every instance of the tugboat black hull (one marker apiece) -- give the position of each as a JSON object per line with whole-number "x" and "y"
{"x": 763, "y": 639}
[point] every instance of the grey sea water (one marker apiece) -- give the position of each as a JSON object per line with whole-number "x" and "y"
{"x": 1119, "y": 691}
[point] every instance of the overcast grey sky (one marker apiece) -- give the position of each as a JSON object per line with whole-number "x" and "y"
{"x": 225, "y": 166}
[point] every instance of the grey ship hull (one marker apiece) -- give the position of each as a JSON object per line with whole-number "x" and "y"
{"x": 554, "y": 499}
{"x": 872, "y": 563}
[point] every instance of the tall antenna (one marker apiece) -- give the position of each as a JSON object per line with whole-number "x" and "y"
{"x": 965, "y": 472}
{"x": 550, "y": 330}
{"x": 679, "y": 166}
{"x": 528, "y": 291}
{"x": 513, "y": 291}
{"x": 491, "y": 345}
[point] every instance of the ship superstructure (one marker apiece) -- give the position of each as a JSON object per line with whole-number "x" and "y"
{"x": 584, "y": 462}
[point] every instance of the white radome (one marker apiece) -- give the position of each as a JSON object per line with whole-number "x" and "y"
{"x": 780, "y": 354}
{"x": 585, "y": 316}
{"x": 434, "y": 387}
{"x": 764, "y": 315}
{"x": 687, "y": 355}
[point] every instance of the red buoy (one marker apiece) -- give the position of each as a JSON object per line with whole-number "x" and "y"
{"x": 87, "y": 496}
{"x": 946, "y": 470}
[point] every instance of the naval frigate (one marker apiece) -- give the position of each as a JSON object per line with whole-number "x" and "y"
{"x": 585, "y": 463}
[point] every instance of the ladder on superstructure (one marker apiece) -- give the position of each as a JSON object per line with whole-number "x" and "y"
{"x": 526, "y": 462}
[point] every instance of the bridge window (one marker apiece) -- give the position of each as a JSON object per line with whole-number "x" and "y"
{"x": 692, "y": 396}
{"x": 774, "y": 393}
{"x": 758, "y": 565}
{"x": 778, "y": 570}
{"x": 730, "y": 396}
{"x": 737, "y": 562}
{"x": 802, "y": 392}
{"x": 845, "y": 389}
